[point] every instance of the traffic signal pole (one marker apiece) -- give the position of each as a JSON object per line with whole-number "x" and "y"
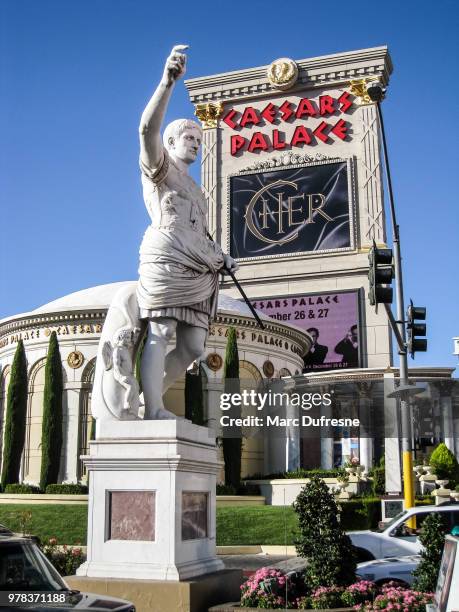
{"x": 407, "y": 456}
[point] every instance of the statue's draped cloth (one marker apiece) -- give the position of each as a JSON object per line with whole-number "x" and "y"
{"x": 178, "y": 270}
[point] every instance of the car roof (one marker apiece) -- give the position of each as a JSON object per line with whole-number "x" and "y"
{"x": 432, "y": 508}
{"x": 14, "y": 537}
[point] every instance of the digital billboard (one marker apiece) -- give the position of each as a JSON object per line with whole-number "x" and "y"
{"x": 332, "y": 319}
{"x": 299, "y": 209}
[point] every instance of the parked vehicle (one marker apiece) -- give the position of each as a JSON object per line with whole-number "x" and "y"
{"x": 25, "y": 570}
{"x": 396, "y": 538}
{"x": 392, "y": 569}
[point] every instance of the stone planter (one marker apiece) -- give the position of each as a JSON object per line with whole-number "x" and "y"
{"x": 455, "y": 495}
{"x": 284, "y": 491}
{"x": 442, "y": 483}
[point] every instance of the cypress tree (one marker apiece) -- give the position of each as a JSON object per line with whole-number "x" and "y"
{"x": 232, "y": 442}
{"x": 51, "y": 436}
{"x": 15, "y": 420}
{"x": 194, "y": 410}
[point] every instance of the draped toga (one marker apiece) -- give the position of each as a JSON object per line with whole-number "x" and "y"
{"x": 179, "y": 264}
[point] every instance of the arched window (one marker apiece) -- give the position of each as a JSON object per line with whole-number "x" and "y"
{"x": 86, "y": 423}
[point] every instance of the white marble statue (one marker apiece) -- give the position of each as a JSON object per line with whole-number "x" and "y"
{"x": 179, "y": 265}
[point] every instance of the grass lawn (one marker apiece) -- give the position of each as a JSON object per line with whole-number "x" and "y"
{"x": 66, "y": 523}
{"x": 235, "y": 525}
{"x": 252, "y": 525}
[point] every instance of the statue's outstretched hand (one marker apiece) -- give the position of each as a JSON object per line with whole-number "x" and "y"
{"x": 175, "y": 65}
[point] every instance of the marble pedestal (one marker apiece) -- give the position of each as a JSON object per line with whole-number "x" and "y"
{"x": 151, "y": 511}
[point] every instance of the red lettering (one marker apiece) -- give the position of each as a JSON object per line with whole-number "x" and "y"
{"x": 326, "y": 105}
{"x": 277, "y": 142}
{"x": 228, "y": 119}
{"x": 258, "y": 142}
{"x": 319, "y": 131}
{"x": 345, "y": 103}
{"x": 269, "y": 112}
{"x": 340, "y": 129}
{"x": 300, "y": 136}
{"x": 306, "y": 107}
{"x": 249, "y": 117}
{"x": 286, "y": 110}
{"x": 237, "y": 142}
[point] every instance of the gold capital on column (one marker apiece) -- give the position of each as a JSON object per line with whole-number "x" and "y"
{"x": 209, "y": 113}
{"x": 359, "y": 89}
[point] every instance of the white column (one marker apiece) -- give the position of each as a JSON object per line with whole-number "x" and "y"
{"x": 446, "y": 411}
{"x": 392, "y": 442}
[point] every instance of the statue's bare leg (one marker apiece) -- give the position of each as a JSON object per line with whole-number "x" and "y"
{"x": 160, "y": 332}
{"x": 190, "y": 345}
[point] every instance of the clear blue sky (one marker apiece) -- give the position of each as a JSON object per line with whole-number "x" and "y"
{"x": 75, "y": 76}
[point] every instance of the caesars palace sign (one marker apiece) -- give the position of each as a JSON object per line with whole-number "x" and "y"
{"x": 287, "y": 112}
{"x": 298, "y": 205}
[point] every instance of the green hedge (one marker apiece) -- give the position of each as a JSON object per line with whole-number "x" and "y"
{"x": 21, "y": 489}
{"x": 364, "y": 513}
{"x": 300, "y": 473}
{"x": 66, "y": 489}
{"x": 378, "y": 474}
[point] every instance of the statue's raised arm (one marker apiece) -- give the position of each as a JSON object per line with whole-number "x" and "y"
{"x": 151, "y": 148}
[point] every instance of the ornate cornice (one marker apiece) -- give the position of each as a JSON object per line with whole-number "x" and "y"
{"x": 32, "y": 321}
{"x": 337, "y": 69}
{"x": 286, "y": 159}
{"x": 28, "y": 321}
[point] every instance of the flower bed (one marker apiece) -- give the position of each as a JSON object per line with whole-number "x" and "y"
{"x": 270, "y": 588}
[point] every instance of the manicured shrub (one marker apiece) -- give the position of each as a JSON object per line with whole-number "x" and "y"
{"x": 432, "y": 537}
{"x": 445, "y": 464}
{"x": 223, "y": 489}
{"x": 194, "y": 402}
{"x": 363, "y": 513}
{"x": 21, "y": 489}
{"x": 66, "y": 489}
{"x": 51, "y": 431}
{"x": 300, "y": 473}
{"x": 15, "y": 420}
{"x": 243, "y": 489}
{"x": 330, "y": 554}
{"x": 232, "y": 446}
{"x": 378, "y": 474}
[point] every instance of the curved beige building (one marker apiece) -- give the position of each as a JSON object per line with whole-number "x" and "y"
{"x": 77, "y": 320}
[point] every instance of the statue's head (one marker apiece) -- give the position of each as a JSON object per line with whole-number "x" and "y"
{"x": 182, "y": 139}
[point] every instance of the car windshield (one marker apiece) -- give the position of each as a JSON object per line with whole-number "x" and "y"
{"x": 24, "y": 567}
{"x": 389, "y": 523}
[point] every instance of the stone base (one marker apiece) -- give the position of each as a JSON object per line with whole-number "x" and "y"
{"x": 196, "y": 595}
{"x": 151, "y": 511}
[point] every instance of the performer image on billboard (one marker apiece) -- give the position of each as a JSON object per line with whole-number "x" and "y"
{"x": 348, "y": 347}
{"x": 317, "y": 352}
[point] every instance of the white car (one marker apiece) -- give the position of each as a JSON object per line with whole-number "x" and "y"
{"x": 397, "y": 569}
{"x": 396, "y": 538}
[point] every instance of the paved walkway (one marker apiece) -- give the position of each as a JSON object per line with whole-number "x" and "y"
{"x": 250, "y": 563}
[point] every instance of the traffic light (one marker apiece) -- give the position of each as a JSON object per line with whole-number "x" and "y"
{"x": 380, "y": 273}
{"x": 414, "y": 329}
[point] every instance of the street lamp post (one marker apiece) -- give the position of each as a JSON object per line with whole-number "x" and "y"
{"x": 376, "y": 92}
